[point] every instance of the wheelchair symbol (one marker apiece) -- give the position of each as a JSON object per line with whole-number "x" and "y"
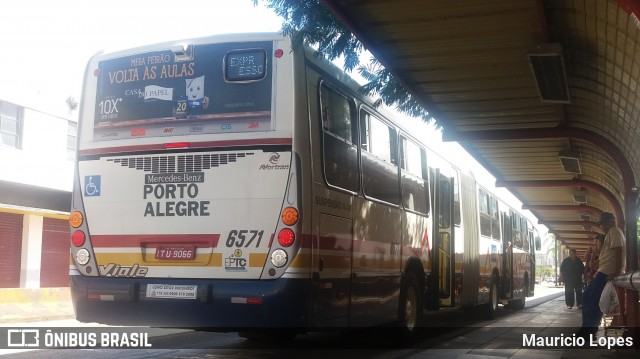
{"x": 92, "y": 186}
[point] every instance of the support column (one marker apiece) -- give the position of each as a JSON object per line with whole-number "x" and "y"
{"x": 30, "y": 263}
{"x": 632, "y": 306}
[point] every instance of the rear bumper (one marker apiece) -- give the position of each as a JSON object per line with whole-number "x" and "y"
{"x": 219, "y": 304}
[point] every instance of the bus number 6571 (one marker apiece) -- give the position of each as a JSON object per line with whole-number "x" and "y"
{"x": 238, "y": 238}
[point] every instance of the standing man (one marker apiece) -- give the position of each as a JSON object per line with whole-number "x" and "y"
{"x": 571, "y": 270}
{"x": 612, "y": 261}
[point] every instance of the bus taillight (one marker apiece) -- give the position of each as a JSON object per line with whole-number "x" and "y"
{"x": 75, "y": 219}
{"x": 78, "y": 238}
{"x": 290, "y": 216}
{"x": 82, "y": 257}
{"x": 278, "y": 259}
{"x": 286, "y": 237}
{"x": 174, "y": 145}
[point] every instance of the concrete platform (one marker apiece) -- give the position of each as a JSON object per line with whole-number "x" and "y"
{"x": 518, "y": 334}
{"x": 545, "y": 316}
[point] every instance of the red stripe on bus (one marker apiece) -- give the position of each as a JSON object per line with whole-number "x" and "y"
{"x": 204, "y": 144}
{"x": 335, "y": 243}
{"x": 164, "y": 120}
{"x": 135, "y": 240}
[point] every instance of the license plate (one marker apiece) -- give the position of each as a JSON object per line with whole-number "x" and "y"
{"x": 176, "y": 253}
{"x": 172, "y": 291}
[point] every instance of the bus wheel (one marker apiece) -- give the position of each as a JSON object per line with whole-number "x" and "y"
{"x": 492, "y": 306}
{"x": 410, "y": 311}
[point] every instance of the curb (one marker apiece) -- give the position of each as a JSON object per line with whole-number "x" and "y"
{"x": 34, "y": 295}
{"x": 542, "y": 299}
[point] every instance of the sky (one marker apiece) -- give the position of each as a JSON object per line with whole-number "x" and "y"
{"x": 46, "y": 44}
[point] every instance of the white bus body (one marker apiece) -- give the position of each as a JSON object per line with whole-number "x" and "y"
{"x": 231, "y": 183}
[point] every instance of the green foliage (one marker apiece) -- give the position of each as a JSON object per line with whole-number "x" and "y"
{"x": 544, "y": 271}
{"x": 310, "y": 23}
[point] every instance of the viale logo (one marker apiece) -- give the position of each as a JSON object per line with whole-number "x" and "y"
{"x": 116, "y": 270}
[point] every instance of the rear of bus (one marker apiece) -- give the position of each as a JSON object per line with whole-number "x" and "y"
{"x": 185, "y": 204}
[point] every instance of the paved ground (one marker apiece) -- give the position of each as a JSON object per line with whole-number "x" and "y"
{"x": 545, "y": 315}
{"x": 29, "y": 305}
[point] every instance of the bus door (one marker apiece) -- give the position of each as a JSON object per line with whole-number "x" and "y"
{"x": 531, "y": 262}
{"x": 507, "y": 255}
{"x": 443, "y": 266}
{"x": 332, "y": 209}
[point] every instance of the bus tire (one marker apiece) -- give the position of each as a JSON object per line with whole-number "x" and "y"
{"x": 492, "y": 307}
{"x": 410, "y": 311}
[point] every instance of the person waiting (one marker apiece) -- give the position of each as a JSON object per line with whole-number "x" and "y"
{"x": 572, "y": 270}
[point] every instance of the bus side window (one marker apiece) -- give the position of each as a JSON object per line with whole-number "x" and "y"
{"x": 518, "y": 231}
{"x": 495, "y": 218}
{"x": 524, "y": 233}
{"x": 515, "y": 226}
{"x": 485, "y": 218}
{"x": 414, "y": 184}
{"x": 379, "y": 159}
{"x": 340, "y": 154}
{"x": 445, "y": 203}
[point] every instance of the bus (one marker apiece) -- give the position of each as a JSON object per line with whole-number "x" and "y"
{"x": 232, "y": 183}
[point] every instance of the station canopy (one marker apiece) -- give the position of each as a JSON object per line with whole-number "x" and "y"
{"x": 543, "y": 93}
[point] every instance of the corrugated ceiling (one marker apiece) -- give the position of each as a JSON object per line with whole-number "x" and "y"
{"x": 467, "y": 61}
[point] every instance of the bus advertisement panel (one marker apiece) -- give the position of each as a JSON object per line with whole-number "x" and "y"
{"x": 186, "y": 90}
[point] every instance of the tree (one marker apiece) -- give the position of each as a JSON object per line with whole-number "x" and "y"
{"x": 550, "y": 248}
{"x": 310, "y": 23}
{"x": 72, "y": 104}
{"x": 543, "y": 271}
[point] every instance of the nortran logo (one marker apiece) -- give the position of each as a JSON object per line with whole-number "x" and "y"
{"x": 274, "y": 159}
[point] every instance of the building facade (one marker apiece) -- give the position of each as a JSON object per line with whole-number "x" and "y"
{"x": 37, "y": 152}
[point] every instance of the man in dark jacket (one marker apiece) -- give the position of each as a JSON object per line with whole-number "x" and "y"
{"x": 571, "y": 270}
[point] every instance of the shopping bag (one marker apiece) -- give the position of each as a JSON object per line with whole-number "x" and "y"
{"x": 609, "y": 304}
